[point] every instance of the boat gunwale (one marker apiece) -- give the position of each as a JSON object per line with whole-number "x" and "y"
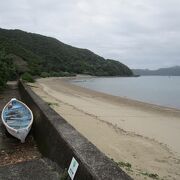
{"x": 13, "y": 129}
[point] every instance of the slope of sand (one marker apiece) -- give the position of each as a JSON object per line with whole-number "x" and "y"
{"x": 144, "y": 135}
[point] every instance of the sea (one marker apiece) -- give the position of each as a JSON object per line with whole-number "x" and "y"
{"x": 159, "y": 90}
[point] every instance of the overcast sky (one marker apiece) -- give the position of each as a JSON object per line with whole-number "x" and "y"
{"x": 138, "y": 33}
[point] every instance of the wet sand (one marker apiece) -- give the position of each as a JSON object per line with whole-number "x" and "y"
{"x": 144, "y": 135}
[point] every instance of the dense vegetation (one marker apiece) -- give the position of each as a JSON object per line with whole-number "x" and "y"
{"x": 44, "y": 56}
{"x": 7, "y": 70}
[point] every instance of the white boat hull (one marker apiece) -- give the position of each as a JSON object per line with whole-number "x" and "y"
{"x": 21, "y": 134}
{"x": 13, "y": 123}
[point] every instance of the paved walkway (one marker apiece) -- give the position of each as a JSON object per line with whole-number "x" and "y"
{"x": 22, "y": 161}
{"x": 39, "y": 169}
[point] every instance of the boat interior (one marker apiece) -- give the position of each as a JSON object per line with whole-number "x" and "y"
{"x": 16, "y": 115}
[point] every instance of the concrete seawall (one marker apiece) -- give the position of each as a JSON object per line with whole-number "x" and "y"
{"x": 59, "y": 141}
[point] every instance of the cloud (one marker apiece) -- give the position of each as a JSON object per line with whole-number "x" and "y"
{"x": 139, "y": 33}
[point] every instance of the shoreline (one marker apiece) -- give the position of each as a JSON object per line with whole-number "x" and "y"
{"x": 128, "y": 101}
{"x": 119, "y": 127}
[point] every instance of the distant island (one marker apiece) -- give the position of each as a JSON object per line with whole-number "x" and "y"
{"x": 171, "y": 71}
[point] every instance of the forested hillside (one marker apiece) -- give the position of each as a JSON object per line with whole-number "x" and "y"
{"x": 45, "y": 56}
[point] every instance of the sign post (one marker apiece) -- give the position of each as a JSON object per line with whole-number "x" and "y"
{"x": 73, "y": 168}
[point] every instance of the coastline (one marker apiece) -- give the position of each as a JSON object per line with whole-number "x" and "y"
{"x": 125, "y": 100}
{"x": 141, "y": 134}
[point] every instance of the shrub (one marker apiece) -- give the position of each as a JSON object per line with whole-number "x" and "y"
{"x": 6, "y": 69}
{"x": 54, "y": 74}
{"x": 44, "y": 74}
{"x": 27, "y": 77}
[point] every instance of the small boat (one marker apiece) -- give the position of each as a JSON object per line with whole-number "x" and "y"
{"x": 17, "y": 118}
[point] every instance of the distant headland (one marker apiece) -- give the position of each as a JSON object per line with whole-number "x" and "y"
{"x": 171, "y": 71}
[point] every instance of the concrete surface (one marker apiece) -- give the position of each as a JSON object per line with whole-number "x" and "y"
{"x": 31, "y": 170}
{"x": 22, "y": 161}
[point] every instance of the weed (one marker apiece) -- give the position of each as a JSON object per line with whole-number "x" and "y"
{"x": 64, "y": 175}
{"x": 151, "y": 175}
{"x": 124, "y": 164}
{"x": 52, "y": 104}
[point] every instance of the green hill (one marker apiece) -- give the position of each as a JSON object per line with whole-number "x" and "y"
{"x": 39, "y": 54}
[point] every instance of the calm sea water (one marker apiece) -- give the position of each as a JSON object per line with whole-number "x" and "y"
{"x": 159, "y": 90}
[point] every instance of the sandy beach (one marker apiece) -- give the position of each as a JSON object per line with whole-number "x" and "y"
{"x": 145, "y": 136}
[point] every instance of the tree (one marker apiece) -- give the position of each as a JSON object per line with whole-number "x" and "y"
{"x": 7, "y": 69}
{"x": 45, "y": 54}
{"x": 3, "y": 70}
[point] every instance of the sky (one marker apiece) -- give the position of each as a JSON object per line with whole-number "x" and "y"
{"x": 138, "y": 33}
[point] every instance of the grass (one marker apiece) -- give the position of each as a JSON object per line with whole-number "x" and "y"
{"x": 30, "y": 85}
{"x": 65, "y": 175}
{"x": 128, "y": 167}
{"x": 151, "y": 175}
{"x": 52, "y": 104}
{"x": 124, "y": 164}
